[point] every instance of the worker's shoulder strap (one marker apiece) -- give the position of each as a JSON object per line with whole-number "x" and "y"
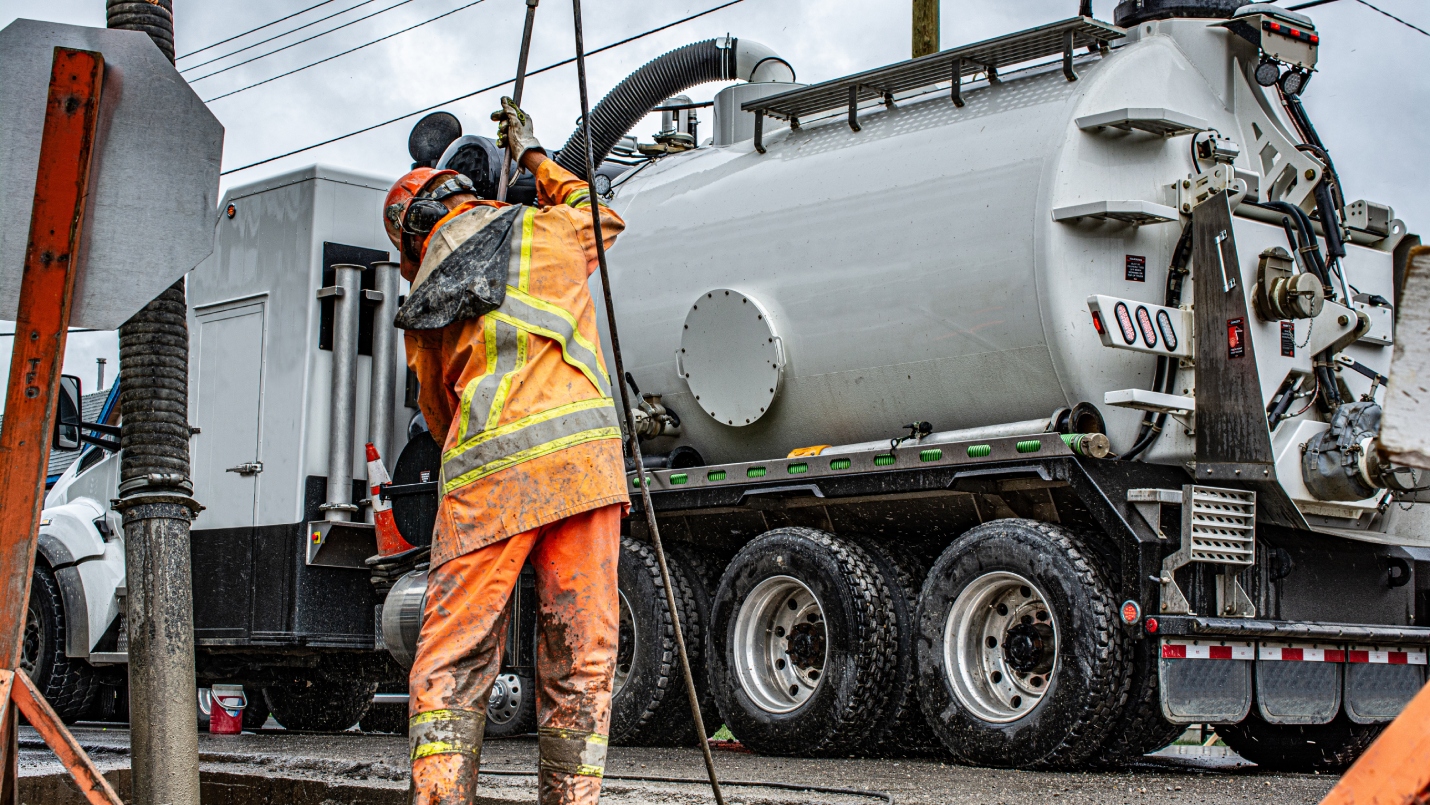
{"x": 465, "y": 272}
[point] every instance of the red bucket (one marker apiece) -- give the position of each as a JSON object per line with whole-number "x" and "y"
{"x": 226, "y": 712}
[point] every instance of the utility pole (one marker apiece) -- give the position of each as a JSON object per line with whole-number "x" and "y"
{"x": 154, "y": 492}
{"x": 925, "y": 27}
{"x": 99, "y": 381}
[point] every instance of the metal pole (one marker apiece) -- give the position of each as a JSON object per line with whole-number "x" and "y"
{"x": 634, "y": 440}
{"x": 384, "y": 352}
{"x": 925, "y": 39}
{"x": 520, "y": 85}
{"x": 154, "y": 491}
{"x": 345, "y": 292}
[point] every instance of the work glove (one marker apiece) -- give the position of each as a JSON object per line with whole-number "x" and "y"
{"x": 514, "y": 132}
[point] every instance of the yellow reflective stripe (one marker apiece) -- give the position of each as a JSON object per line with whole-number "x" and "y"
{"x": 433, "y": 715}
{"x": 526, "y": 422}
{"x": 439, "y": 748}
{"x": 527, "y": 455}
{"x": 574, "y": 735}
{"x": 489, "y": 339}
{"x": 577, "y": 196}
{"x": 528, "y": 227}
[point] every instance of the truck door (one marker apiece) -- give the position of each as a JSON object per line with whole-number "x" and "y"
{"x": 227, "y": 409}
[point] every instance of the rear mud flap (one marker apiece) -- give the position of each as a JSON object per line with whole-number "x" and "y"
{"x": 1205, "y": 681}
{"x": 1380, "y": 682}
{"x": 1298, "y": 683}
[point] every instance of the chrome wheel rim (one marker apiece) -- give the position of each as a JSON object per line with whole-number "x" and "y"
{"x": 505, "y": 701}
{"x": 33, "y": 645}
{"x": 781, "y": 644}
{"x": 625, "y": 645}
{"x": 1000, "y": 647}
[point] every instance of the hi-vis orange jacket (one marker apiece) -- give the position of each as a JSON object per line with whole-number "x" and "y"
{"x": 522, "y": 394}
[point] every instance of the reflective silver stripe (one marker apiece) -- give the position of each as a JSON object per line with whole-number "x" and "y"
{"x": 446, "y": 732}
{"x": 481, "y": 401}
{"x": 482, "y": 452}
{"x": 572, "y": 752}
{"x": 518, "y": 311}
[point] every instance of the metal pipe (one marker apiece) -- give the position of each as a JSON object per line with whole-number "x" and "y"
{"x": 1028, "y": 427}
{"x": 155, "y": 502}
{"x": 520, "y": 86}
{"x": 346, "y": 290}
{"x": 384, "y": 357}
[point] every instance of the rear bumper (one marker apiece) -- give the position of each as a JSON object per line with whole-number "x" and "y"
{"x": 1298, "y": 631}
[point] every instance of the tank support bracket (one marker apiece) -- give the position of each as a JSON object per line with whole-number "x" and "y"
{"x": 1069, "y": 38}
{"x": 854, "y": 107}
{"x": 956, "y": 90}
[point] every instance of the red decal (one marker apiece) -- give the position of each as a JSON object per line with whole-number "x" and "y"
{"x": 1397, "y": 658}
{"x": 1220, "y": 652}
{"x": 1293, "y": 654}
{"x": 1173, "y": 652}
{"x": 1335, "y": 655}
{"x": 1358, "y": 656}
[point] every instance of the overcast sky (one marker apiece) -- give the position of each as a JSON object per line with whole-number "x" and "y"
{"x": 1369, "y": 99}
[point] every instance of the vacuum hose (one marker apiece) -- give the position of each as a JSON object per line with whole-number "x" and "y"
{"x": 724, "y": 59}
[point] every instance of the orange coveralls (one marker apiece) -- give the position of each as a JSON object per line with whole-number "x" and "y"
{"x": 531, "y": 470}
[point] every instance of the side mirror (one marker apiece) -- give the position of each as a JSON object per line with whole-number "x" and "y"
{"x": 67, "y": 414}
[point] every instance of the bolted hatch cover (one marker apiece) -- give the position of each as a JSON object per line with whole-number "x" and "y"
{"x": 731, "y": 356}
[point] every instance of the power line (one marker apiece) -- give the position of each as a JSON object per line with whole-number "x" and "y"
{"x": 473, "y": 93}
{"x": 252, "y": 30}
{"x": 344, "y": 53}
{"x": 1376, "y": 9}
{"x": 277, "y": 36}
{"x": 1392, "y": 16}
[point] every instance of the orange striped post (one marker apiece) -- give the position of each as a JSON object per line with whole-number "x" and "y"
{"x": 1395, "y": 770}
{"x": 46, "y": 298}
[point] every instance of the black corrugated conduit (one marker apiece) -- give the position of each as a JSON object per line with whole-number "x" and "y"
{"x": 153, "y": 17}
{"x": 641, "y": 91}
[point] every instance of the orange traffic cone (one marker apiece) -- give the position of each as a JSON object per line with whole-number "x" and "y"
{"x": 389, "y": 539}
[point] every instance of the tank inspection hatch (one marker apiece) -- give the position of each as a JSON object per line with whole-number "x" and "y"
{"x": 731, "y": 356}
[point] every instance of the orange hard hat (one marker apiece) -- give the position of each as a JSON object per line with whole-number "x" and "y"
{"x": 394, "y": 211}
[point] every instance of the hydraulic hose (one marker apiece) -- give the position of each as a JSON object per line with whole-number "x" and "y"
{"x": 641, "y": 91}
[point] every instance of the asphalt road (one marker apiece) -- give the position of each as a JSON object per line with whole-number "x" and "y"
{"x": 356, "y": 769}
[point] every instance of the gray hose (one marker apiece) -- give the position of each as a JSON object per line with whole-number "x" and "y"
{"x": 641, "y": 91}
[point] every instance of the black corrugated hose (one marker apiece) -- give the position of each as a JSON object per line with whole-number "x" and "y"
{"x": 153, "y": 17}
{"x": 641, "y": 91}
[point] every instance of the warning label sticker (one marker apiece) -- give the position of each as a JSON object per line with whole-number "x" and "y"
{"x": 1236, "y": 338}
{"x": 1136, "y": 268}
{"x": 1288, "y": 339}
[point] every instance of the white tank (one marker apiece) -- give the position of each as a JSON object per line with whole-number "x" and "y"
{"x": 913, "y": 270}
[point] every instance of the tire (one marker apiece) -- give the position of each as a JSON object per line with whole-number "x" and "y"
{"x": 255, "y": 715}
{"x": 385, "y": 718}
{"x": 69, "y": 685}
{"x": 511, "y": 709}
{"x": 904, "y": 731}
{"x": 702, "y": 569}
{"x": 648, "y": 701}
{"x": 1309, "y": 749}
{"x": 1045, "y": 693}
{"x": 805, "y": 609}
{"x": 1140, "y": 727}
{"x": 319, "y": 705}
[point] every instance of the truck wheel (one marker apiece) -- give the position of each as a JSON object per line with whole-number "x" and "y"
{"x": 807, "y": 644}
{"x": 1139, "y": 727}
{"x": 703, "y": 571}
{"x": 1021, "y": 659}
{"x": 511, "y": 709}
{"x": 68, "y": 684}
{"x": 904, "y": 732}
{"x": 1308, "y": 749}
{"x": 255, "y": 715}
{"x": 320, "y": 705}
{"x": 648, "y": 701}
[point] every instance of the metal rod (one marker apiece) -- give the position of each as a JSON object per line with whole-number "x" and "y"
{"x": 384, "y": 359}
{"x": 520, "y": 86}
{"x": 634, "y": 440}
{"x": 347, "y": 286}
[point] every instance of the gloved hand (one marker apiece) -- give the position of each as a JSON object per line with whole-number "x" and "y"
{"x": 515, "y": 132}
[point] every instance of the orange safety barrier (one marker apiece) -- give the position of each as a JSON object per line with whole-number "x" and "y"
{"x": 1395, "y": 770}
{"x": 46, "y": 300}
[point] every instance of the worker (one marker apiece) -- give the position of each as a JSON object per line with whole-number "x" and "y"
{"x": 532, "y": 468}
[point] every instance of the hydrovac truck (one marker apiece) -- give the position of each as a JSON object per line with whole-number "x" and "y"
{"x": 1019, "y": 402}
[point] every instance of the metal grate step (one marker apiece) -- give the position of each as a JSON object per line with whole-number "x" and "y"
{"x": 988, "y": 56}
